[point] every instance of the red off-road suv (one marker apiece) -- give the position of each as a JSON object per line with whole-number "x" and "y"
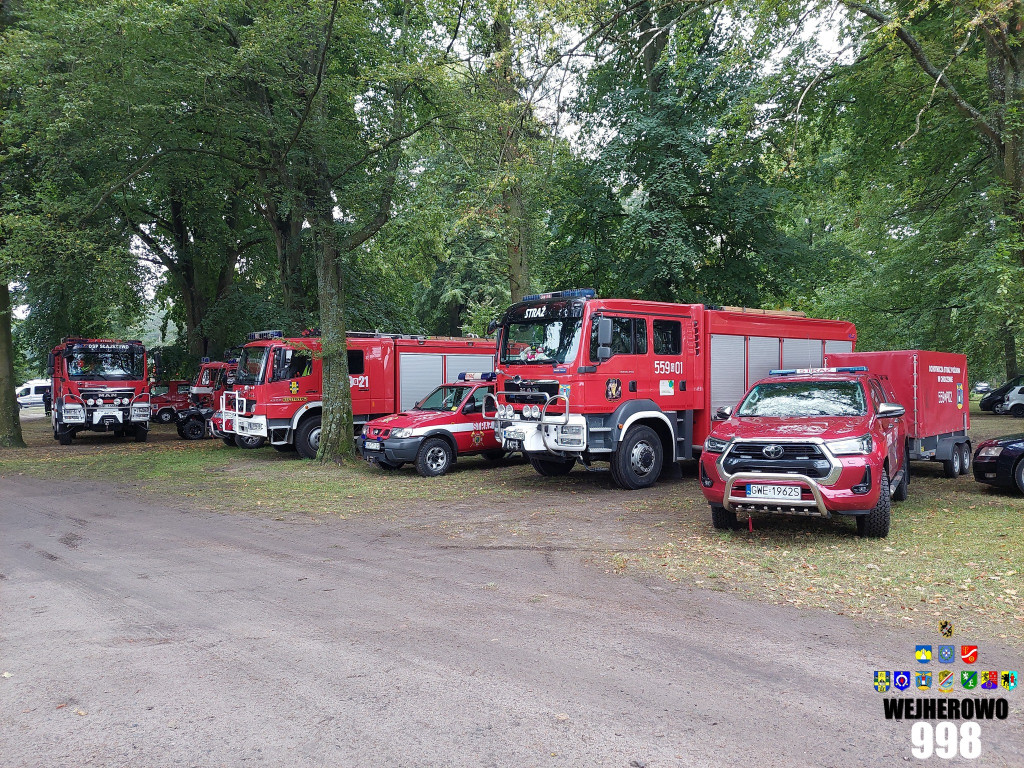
{"x": 814, "y": 442}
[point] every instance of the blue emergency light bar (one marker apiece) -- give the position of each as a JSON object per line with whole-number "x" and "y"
{"x": 261, "y": 335}
{"x": 204, "y": 359}
{"x": 477, "y": 376}
{"x": 575, "y": 293}
{"x": 801, "y": 371}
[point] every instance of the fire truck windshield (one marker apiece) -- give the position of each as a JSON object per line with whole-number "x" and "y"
{"x": 442, "y": 399}
{"x": 787, "y": 399}
{"x": 543, "y": 341}
{"x": 251, "y": 365}
{"x": 109, "y": 362}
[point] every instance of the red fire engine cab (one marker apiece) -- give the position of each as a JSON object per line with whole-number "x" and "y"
{"x": 169, "y": 398}
{"x": 99, "y": 385}
{"x": 214, "y": 377}
{"x": 279, "y": 384}
{"x": 635, "y": 383}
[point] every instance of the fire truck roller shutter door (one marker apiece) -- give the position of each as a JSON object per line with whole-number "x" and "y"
{"x": 762, "y": 357}
{"x": 462, "y": 363}
{"x": 801, "y": 353}
{"x": 418, "y": 375}
{"x": 727, "y": 370}
{"x": 837, "y": 347}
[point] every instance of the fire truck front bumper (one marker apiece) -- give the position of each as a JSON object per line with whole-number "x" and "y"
{"x": 251, "y": 426}
{"x": 394, "y": 450}
{"x": 555, "y": 436}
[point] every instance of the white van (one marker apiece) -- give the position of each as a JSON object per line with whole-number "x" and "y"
{"x": 31, "y": 392}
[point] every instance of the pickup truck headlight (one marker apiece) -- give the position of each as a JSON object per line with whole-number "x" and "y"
{"x": 990, "y": 451}
{"x": 402, "y": 432}
{"x": 851, "y": 447}
{"x": 140, "y": 413}
{"x": 714, "y": 445}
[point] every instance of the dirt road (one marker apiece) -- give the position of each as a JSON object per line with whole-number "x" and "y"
{"x": 140, "y": 634}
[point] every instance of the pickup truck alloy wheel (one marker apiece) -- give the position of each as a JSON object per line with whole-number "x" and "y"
{"x": 875, "y": 524}
{"x": 637, "y": 460}
{"x": 307, "y": 437}
{"x": 951, "y": 466}
{"x": 434, "y": 457}
{"x": 166, "y": 416}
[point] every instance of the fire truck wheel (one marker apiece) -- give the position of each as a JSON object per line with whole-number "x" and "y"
{"x": 141, "y": 434}
{"x": 229, "y": 441}
{"x": 951, "y": 466}
{"x": 65, "y": 436}
{"x": 166, "y": 416}
{"x": 250, "y": 443}
{"x": 193, "y": 429}
{"x": 723, "y": 519}
{"x": 307, "y": 437}
{"x": 434, "y": 457}
{"x": 637, "y": 460}
{"x": 494, "y": 455}
{"x": 549, "y": 468}
{"x": 875, "y": 524}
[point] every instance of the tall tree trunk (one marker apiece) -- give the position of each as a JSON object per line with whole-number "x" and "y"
{"x": 10, "y": 420}
{"x": 336, "y": 444}
{"x": 1010, "y": 352}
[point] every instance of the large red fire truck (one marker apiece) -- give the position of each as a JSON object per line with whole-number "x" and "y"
{"x": 635, "y": 383}
{"x": 214, "y": 377}
{"x": 278, "y": 387}
{"x": 99, "y": 385}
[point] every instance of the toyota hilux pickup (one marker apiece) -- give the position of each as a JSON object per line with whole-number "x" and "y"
{"x": 814, "y": 442}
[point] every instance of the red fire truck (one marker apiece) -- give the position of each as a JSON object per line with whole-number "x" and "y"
{"x": 168, "y": 399}
{"x": 213, "y": 379}
{"x": 635, "y": 383}
{"x": 932, "y": 387}
{"x": 278, "y": 386}
{"x": 99, "y": 385}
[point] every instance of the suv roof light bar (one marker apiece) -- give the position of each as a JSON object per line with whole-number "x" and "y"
{"x": 574, "y": 293}
{"x": 476, "y": 377}
{"x": 801, "y": 371}
{"x": 260, "y": 335}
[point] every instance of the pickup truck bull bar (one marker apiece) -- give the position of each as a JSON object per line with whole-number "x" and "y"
{"x": 544, "y": 420}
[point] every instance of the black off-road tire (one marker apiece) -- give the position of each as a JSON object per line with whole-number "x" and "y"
{"x": 307, "y": 437}
{"x": 435, "y": 457}
{"x": 229, "y": 441}
{"x": 965, "y": 458}
{"x": 723, "y": 519}
{"x": 551, "y": 468}
{"x": 951, "y": 466}
{"x": 141, "y": 434}
{"x": 875, "y": 524}
{"x": 65, "y": 436}
{"x": 903, "y": 489}
{"x": 193, "y": 429}
{"x": 638, "y": 459}
{"x": 249, "y": 443}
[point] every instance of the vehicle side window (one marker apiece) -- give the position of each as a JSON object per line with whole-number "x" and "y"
{"x": 623, "y": 340}
{"x": 301, "y": 365}
{"x": 876, "y": 394}
{"x": 22, "y": 392}
{"x": 355, "y": 362}
{"x": 668, "y": 337}
{"x": 478, "y": 398}
{"x": 206, "y": 377}
{"x": 160, "y": 390}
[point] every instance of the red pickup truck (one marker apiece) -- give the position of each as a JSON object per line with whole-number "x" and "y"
{"x": 812, "y": 442}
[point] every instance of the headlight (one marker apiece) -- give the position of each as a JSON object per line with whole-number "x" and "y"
{"x": 714, "y": 445}
{"x": 990, "y": 451}
{"x": 857, "y": 445}
{"x": 535, "y": 411}
{"x": 90, "y": 401}
{"x": 571, "y": 429}
{"x": 366, "y": 430}
{"x": 402, "y": 432}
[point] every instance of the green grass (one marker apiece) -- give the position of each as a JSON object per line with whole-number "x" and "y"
{"x": 954, "y": 552}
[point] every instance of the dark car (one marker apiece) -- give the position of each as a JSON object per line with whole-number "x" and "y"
{"x": 995, "y": 397}
{"x": 999, "y": 462}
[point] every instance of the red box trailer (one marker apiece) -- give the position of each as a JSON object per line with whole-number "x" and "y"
{"x": 932, "y": 386}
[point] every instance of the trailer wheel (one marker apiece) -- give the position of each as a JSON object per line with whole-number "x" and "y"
{"x": 638, "y": 458}
{"x": 549, "y": 468}
{"x": 722, "y": 519}
{"x": 249, "y": 442}
{"x": 193, "y": 429}
{"x": 141, "y": 434}
{"x": 307, "y": 437}
{"x": 166, "y": 416}
{"x": 965, "y": 458}
{"x": 951, "y": 466}
{"x": 65, "y": 436}
{"x": 434, "y": 457}
{"x": 875, "y": 524}
{"x": 229, "y": 441}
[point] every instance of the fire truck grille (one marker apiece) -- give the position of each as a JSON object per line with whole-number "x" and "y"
{"x": 530, "y": 392}
{"x": 794, "y": 458}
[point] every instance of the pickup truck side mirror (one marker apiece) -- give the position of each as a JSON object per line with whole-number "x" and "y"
{"x": 604, "y": 339}
{"x": 890, "y": 410}
{"x": 469, "y": 407}
{"x": 723, "y": 413}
